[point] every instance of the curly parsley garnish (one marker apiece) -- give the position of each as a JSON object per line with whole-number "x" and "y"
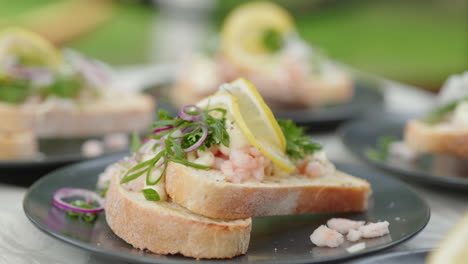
{"x": 298, "y": 145}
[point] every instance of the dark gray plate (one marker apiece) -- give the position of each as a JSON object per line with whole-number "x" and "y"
{"x": 406, "y": 257}
{"x": 54, "y": 153}
{"x": 437, "y": 170}
{"x": 277, "y": 239}
{"x": 367, "y": 97}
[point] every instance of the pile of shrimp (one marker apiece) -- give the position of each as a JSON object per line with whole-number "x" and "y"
{"x": 332, "y": 234}
{"x": 248, "y": 164}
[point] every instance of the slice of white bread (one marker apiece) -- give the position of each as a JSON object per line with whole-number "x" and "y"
{"x": 314, "y": 92}
{"x": 18, "y": 145}
{"x": 167, "y": 228}
{"x": 124, "y": 114}
{"x": 443, "y": 138}
{"x": 205, "y": 192}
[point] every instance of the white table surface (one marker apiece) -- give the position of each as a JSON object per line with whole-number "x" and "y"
{"x": 21, "y": 242}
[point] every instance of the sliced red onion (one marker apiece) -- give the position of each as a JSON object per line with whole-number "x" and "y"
{"x": 184, "y": 115}
{"x": 94, "y": 72}
{"x": 200, "y": 141}
{"x": 159, "y": 130}
{"x": 88, "y": 196}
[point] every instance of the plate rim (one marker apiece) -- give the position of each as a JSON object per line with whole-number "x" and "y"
{"x": 146, "y": 259}
{"x": 388, "y": 255}
{"x": 434, "y": 179}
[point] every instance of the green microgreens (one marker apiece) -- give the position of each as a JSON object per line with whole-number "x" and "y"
{"x": 84, "y": 216}
{"x": 382, "y": 151}
{"x": 151, "y": 195}
{"x": 441, "y": 112}
{"x": 298, "y": 145}
{"x": 180, "y": 134}
{"x": 135, "y": 142}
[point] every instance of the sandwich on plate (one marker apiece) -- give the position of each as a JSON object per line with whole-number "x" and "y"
{"x": 198, "y": 178}
{"x": 259, "y": 41}
{"x": 445, "y": 129}
{"x": 45, "y": 93}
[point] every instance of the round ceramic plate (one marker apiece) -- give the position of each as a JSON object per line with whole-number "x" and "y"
{"x": 275, "y": 239}
{"x": 54, "y": 153}
{"x": 361, "y": 135}
{"x": 406, "y": 257}
{"x": 367, "y": 97}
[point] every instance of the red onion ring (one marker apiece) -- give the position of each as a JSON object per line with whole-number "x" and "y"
{"x": 89, "y": 196}
{"x": 188, "y": 117}
{"x": 159, "y": 130}
{"x": 200, "y": 141}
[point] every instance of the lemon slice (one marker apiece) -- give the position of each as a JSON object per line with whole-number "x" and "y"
{"x": 254, "y": 119}
{"x": 246, "y": 31}
{"x": 256, "y": 112}
{"x": 453, "y": 248}
{"x": 30, "y": 48}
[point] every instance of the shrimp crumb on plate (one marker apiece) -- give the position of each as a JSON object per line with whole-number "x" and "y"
{"x": 372, "y": 230}
{"x": 354, "y": 235}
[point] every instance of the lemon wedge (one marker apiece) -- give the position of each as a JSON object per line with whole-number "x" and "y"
{"x": 28, "y": 47}
{"x": 255, "y": 120}
{"x": 252, "y": 32}
{"x": 453, "y": 248}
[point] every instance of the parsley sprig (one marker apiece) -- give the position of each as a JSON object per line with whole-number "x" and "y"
{"x": 178, "y": 136}
{"x": 298, "y": 145}
{"x": 441, "y": 112}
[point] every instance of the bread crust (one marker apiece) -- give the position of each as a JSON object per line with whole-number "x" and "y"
{"x": 426, "y": 138}
{"x": 164, "y": 230}
{"x": 219, "y": 199}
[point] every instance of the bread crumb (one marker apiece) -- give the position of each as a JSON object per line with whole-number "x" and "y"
{"x": 357, "y": 247}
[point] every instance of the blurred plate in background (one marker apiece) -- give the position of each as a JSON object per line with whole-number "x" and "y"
{"x": 367, "y": 97}
{"x": 54, "y": 153}
{"x": 440, "y": 170}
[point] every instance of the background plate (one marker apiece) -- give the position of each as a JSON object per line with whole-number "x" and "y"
{"x": 54, "y": 153}
{"x": 276, "y": 239}
{"x": 437, "y": 170}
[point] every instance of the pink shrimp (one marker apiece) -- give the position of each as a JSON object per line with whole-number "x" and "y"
{"x": 311, "y": 168}
{"x": 245, "y": 164}
{"x": 344, "y": 225}
{"x": 326, "y": 237}
{"x": 354, "y": 235}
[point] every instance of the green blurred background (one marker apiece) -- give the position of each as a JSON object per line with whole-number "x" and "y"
{"x": 420, "y": 42}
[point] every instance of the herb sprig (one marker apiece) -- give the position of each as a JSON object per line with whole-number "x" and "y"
{"x": 298, "y": 145}
{"x": 174, "y": 137}
{"x": 441, "y": 112}
{"x": 382, "y": 150}
{"x": 84, "y": 216}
